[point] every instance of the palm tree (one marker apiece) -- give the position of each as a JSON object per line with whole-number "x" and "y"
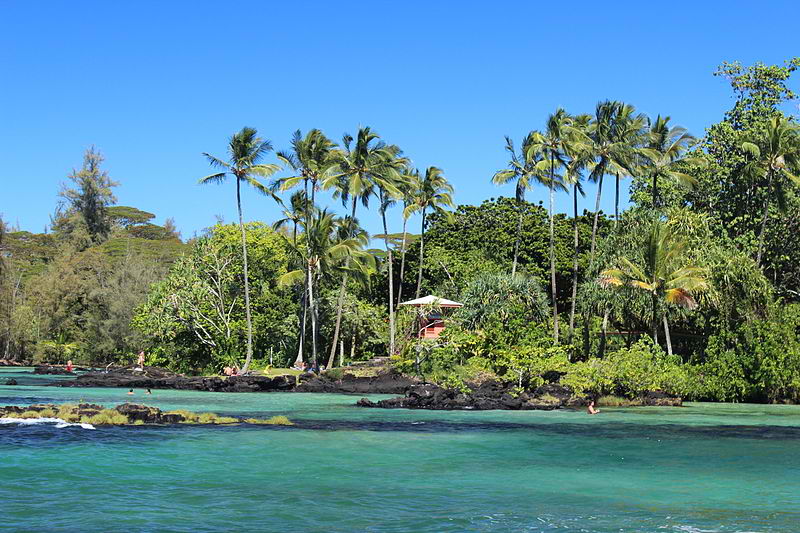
{"x": 299, "y": 210}
{"x": 664, "y": 271}
{"x": 328, "y": 246}
{"x": 608, "y": 152}
{"x": 389, "y": 191}
{"x": 628, "y": 133}
{"x": 523, "y": 168}
{"x": 370, "y": 163}
{"x": 666, "y": 151}
{"x": 410, "y": 187}
{"x": 552, "y": 146}
{"x": 775, "y": 156}
{"x": 245, "y": 151}
{"x": 311, "y": 160}
{"x": 435, "y": 193}
{"x": 578, "y": 158}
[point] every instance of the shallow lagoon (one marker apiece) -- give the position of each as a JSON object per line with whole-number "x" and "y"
{"x": 705, "y": 467}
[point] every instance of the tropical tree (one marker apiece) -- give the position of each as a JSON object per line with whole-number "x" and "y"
{"x": 362, "y": 168}
{"x": 326, "y": 247}
{"x": 245, "y": 151}
{"x": 409, "y": 188}
{"x": 666, "y": 152}
{"x": 663, "y": 271}
{"x": 390, "y": 189}
{"x": 579, "y": 157}
{"x": 552, "y": 146}
{"x": 500, "y": 297}
{"x": 774, "y": 156}
{"x": 524, "y": 169}
{"x": 610, "y": 154}
{"x": 435, "y": 194}
{"x": 311, "y": 159}
{"x": 628, "y": 132}
{"x": 88, "y": 199}
{"x": 296, "y": 213}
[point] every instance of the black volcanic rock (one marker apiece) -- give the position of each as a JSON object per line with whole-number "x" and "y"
{"x": 159, "y": 378}
{"x": 387, "y": 382}
{"x": 492, "y": 395}
{"x": 54, "y": 370}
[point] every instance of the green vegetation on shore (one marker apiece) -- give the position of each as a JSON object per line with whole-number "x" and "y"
{"x": 129, "y": 414}
{"x": 693, "y": 289}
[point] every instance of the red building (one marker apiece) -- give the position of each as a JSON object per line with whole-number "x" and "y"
{"x": 430, "y": 320}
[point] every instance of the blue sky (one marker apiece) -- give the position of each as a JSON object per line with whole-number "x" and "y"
{"x": 154, "y": 84}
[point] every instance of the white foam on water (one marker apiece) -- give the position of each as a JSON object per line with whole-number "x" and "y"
{"x": 59, "y": 423}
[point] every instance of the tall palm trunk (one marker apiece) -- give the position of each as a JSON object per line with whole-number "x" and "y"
{"x": 553, "y": 260}
{"x": 402, "y": 265}
{"x": 574, "y": 263}
{"x": 601, "y": 351}
{"x": 655, "y": 189}
{"x": 246, "y": 280}
{"x": 667, "y": 335}
{"x": 302, "y": 339}
{"x": 519, "y": 235}
{"x": 313, "y": 315}
{"x": 764, "y": 220}
{"x": 616, "y": 202}
{"x": 421, "y": 252}
{"x": 391, "y": 281}
{"x": 596, "y": 216}
{"x": 655, "y": 318}
{"x": 340, "y": 302}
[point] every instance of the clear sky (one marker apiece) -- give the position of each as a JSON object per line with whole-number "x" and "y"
{"x": 154, "y": 84}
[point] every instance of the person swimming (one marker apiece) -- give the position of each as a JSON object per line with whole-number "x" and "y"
{"x": 591, "y": 410}
{"x": 130, "y": 392}
{"x": 148, "y": 392}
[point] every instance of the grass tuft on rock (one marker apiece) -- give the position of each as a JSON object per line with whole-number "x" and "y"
{"x": 106, "y": 417}
{"x": 279, "y": 420}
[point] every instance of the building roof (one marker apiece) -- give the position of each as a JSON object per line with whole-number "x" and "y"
{"x": 433, "y": 300}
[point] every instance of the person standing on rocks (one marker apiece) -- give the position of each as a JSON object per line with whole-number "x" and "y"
{"x": 140, "y": 361}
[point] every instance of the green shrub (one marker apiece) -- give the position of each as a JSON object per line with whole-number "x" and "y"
{"x": 631, "y": 372}
{"x": 756, "y": 361}
{"x": 279, "y": 420}
{"x": 335, "y": 373}
{"x": 106, "y": 417}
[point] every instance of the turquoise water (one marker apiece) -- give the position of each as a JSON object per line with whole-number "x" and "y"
{"x": 705, "y": 467}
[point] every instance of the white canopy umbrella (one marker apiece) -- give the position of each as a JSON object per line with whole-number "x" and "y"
{"x": 433, "y": 300}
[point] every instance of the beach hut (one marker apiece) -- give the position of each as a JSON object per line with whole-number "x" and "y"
{"x": 430, "y": 321}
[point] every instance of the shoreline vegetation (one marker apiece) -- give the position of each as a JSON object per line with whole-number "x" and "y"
{"x": 690, "y": 290}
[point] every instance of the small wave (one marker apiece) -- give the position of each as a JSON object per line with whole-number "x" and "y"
{"x": 59, "y": 423}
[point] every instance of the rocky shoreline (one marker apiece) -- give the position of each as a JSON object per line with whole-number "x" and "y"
{"x": 411, "y": 392}
{"x": 493, "y": 395}
{"x": 157, "y": 378}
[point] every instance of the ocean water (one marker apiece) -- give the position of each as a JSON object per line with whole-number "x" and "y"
{"x": 701, "y": 468}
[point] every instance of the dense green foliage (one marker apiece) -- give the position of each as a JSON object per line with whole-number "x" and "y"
{"x": 195, "y": 317}
{"x": 693, "y": 289}
{"x": 71, "y": 293}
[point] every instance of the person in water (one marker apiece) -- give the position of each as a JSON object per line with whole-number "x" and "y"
{"x": 591, "y": 410}
{"x": 130, "y": 392}
{"x": 148, "y": 392}
{"x": 69, "y": 365}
